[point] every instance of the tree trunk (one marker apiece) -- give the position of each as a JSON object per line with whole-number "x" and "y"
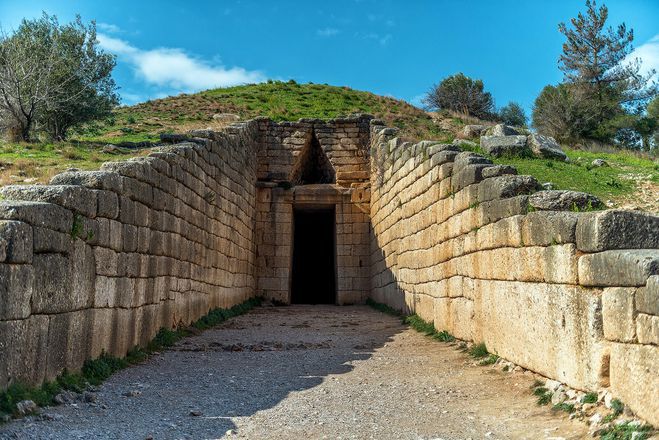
{"x": 25, "y": 131}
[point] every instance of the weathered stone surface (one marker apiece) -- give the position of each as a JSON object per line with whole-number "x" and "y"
{"x": 545, "y": 228}
{"x": 618, "y": 229}
{"x": 545, "y": 146}
{"x": 505, "y": 186}
{"x": 498, "y": 170}
{"x": 23, "y": 350}
{"x": 467, "y": 175}
{"x": 562, "y": 200}
{"x": 90, "y": 179}
{"x": 505, "y": 145}
{"x": 468, "y": 158}
{"x": 647, "y": 329}
{"x": 647, "y": 298}
{"x": 618, "y": 314}
{"x": 15, "y": 242}
{"x": 472, "y": 131}
{"x": 15, "y": 290}
{"x": 47, "y": 215}
{"x": 599, "y": 163}
{"x": 634, "y": 378}
{"x": 502, "y": 130}
{"x": 618, "y": 267}
{"x": 76, "y": 198}
{"x": 559, "y": 313}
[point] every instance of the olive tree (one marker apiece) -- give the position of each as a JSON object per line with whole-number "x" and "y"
{"x": 53, "y": 77}
{"x": 461, "y": 94}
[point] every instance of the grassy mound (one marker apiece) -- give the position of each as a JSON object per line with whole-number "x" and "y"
{"x": 621, "y": 183}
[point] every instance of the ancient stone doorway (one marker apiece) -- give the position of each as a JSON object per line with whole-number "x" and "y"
{"x": 313, "y": 278}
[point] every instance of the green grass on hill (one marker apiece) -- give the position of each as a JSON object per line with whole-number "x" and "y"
{"x": 614, "y": 182}
{"x": 38, "y": 162}
{"x": 280, "y": 101}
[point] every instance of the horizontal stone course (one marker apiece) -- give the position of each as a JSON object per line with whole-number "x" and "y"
{"x": 485, "y": 255}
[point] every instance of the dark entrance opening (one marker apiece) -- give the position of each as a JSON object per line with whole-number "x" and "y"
{"x": 314, "y": 267}
{"x": 312, "y": 165}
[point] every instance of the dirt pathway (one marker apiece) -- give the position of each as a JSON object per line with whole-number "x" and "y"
{"x": 306, "y": 372}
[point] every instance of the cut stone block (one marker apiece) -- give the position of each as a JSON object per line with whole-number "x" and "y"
{"x": 16, "y": 282}
{"x": 618, "y": 229}
{"x": 618, "y": 267}
{"x": 618, "y": 314}
{"x": 505, "y": 145}
{"x": 634, "y": 378}
{"x": 16, "y": 242}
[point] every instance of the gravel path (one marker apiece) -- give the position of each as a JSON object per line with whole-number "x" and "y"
{"x": 306, "y": 372}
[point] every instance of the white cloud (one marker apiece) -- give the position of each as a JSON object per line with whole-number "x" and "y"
{"x": 108, "y": 27}
{"x": 327, "y": 32}
{"x": 649, "y": 55}
{"x": 170, "y": 67}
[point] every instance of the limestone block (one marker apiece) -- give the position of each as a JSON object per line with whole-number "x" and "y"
{"x": 465, "y": 158}
{"x": 505, "y": 145}
{"x": 647, "y": 298}
{"x": 561, "y": 200}
{"x": 467, "y": 175}
{"x": 63, "y": 283}
{"x": 48, "y": 240}
{"x": 634, "y": 378}
{"x": 618, "y": 314}
{"x": 618, "y": 267}
{"x": 69, "y": 336}
{"x": 91, "y": 179}
{"x": 522, "y": 322}
{"x": 46, "y": 215}
{"x": 618, "y": 229}
{"x": 502, "y": 130}
{"x": 16, "y": 284}
{"x": 544, "y": 228}
{"x": 442, "y": 157}
{"x": 498, "y": 170}
{"x": 647, "y": 329}
{"x": 122, "y": 331}
{"x": 129, "y": 238}
{"x": 116, "y": 235}
{"x": 105, "y": 291}
{"x": 15, "y": 242}
{"x": 506, "y": 186}
{"x": 76, "y": 198}
{"x": 545, "y": 146}
{"x": 424, "y": 307}
{"x": 108, "y": 204}
{"x": 23, "y": 350}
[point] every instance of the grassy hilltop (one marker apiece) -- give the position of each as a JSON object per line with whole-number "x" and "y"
{"x": 630, "y": 180}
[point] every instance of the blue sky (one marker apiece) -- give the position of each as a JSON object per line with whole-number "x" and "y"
{"x": 397, "y": 48}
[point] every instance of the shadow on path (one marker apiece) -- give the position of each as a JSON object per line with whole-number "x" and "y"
{"x": 247, "y": 364}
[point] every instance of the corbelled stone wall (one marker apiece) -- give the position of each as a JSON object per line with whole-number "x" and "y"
{"x": 100, "y": 261}
{"x": 474, "y": 249}
{"x": 345, "y": 142}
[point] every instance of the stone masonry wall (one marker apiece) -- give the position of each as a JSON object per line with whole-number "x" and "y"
{"x": 345, "y": 142}
{"x": 478, "y": 251}
{"x": 99, "y": 261}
